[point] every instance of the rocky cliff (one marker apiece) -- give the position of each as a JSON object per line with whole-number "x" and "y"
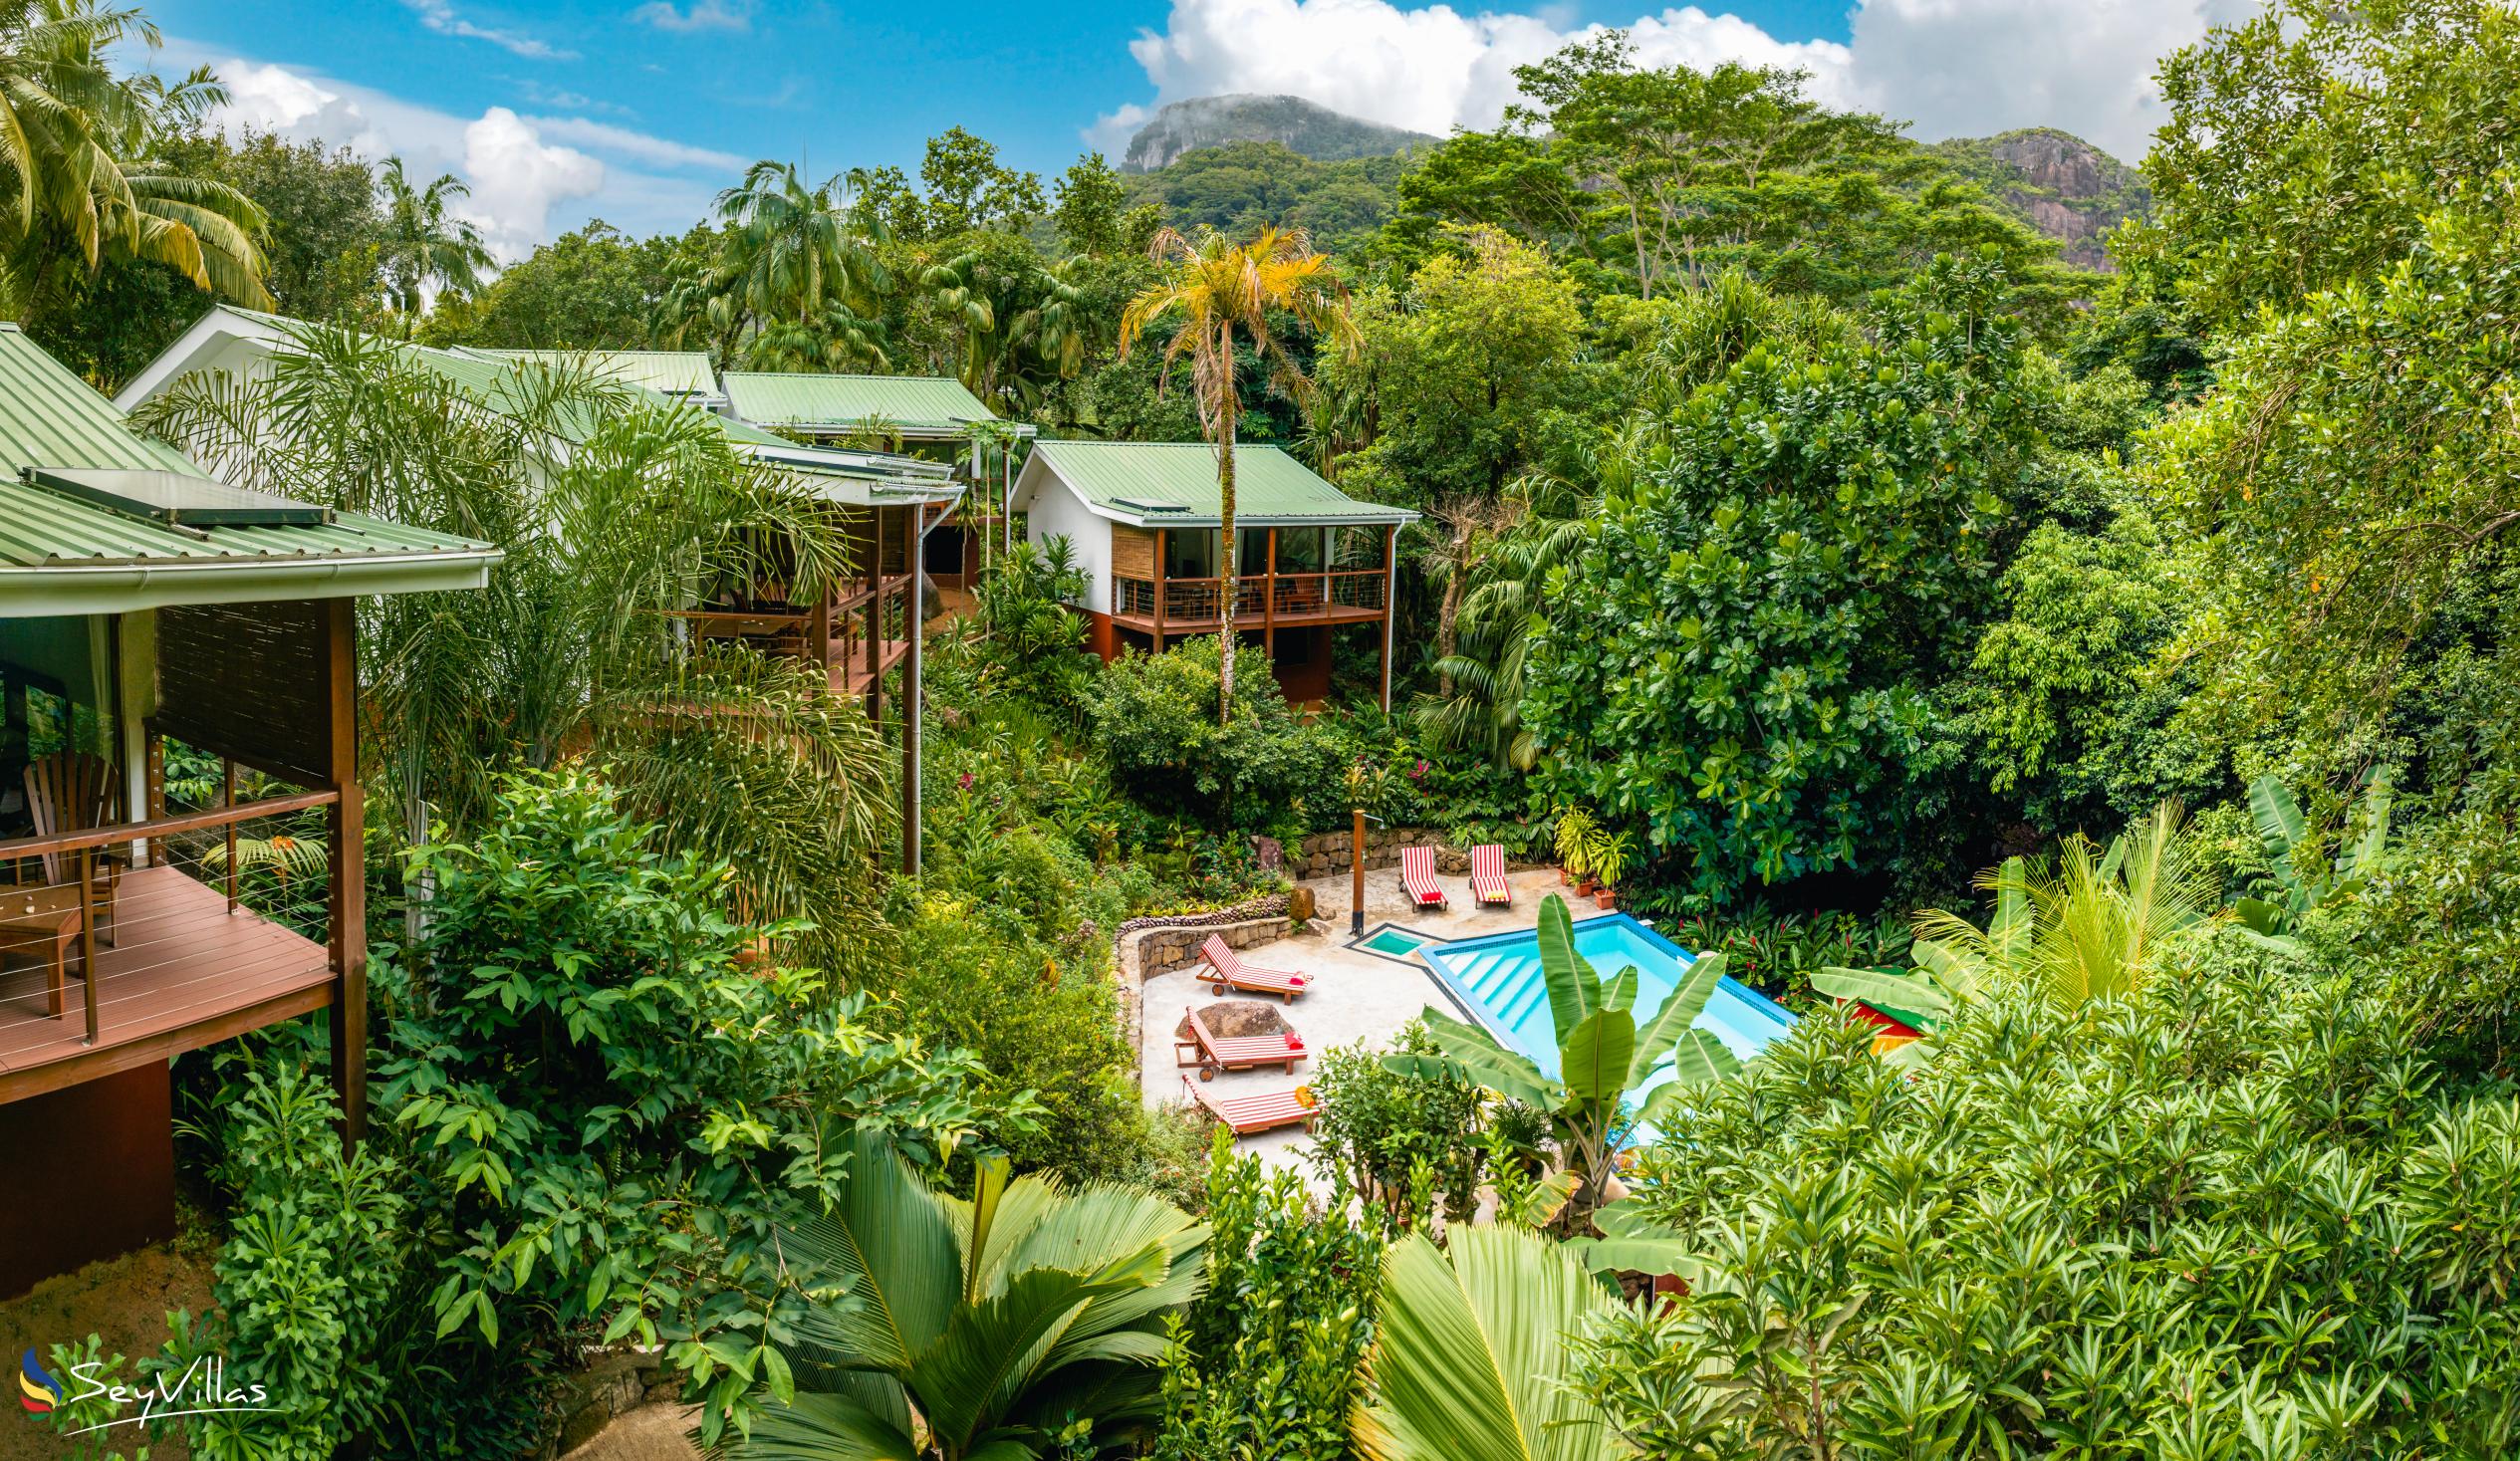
{"x": 1313, "y": 130}
{"x": 2068, "y": 189}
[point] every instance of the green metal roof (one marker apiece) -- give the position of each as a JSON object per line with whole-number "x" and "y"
{"x": 914, "y": 404}
{"x": 1174, "y": 484}
{"x": 666, "y": 371}
{"x": 50, "y": 417}
{"x": 62, "y": 554}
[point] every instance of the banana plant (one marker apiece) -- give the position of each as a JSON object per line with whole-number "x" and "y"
{"x": 1949, "y": 971}
{"x": 1604, "y": 1053}
{"x": 2285, "y": 835}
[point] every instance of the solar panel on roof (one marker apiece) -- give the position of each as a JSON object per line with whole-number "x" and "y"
{"x": 176, "y": 498}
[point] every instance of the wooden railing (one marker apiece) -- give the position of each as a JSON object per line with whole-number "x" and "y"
{"x": 1282, "y": 596}
{"x": 81, "y": 869}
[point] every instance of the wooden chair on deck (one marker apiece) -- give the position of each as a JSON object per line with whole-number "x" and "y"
{"x": 71, "y": 792}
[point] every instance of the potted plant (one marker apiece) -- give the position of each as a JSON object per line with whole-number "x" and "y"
{"x": 1609, "y": 859}
{"x": 1575, "y": 835}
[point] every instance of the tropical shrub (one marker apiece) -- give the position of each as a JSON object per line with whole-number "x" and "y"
{"x": 1732, "y": 659}
{"x": 1270, "y": 1360}
{"x": 2237, "y": 1213}
{"x": 1381, "y": 1131}
{"x": 1034, "y": 636}
{"x": 612, "y": 1104}
{"x": 1155, "y": 719}
{"x": 1027, "y": 1317}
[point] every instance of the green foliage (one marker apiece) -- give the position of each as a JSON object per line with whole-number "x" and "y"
{"x": 314, "y": 1261}
{"x": 1671, "y": 176}
{"x": 1774, "y": 952}
{"x": 2349, "y": 479}
{"x": 1378, "y": 1128}
{"x": 1090, "y": 208}
{"x": 2298, "y": 884}
{"x": 1031, "y": 1314}
{"x": 590, "y": 288}
{"x": 968, "y": 188}
{"x": 1034, "y": 631}
{"x": 1731, "y": 659}
{"x": 613, "y": 1112}
{"x": 1476, "y": 1351}
{"x": 1459, "y": 373}
{"x": 2307, "y": 146}
{"x": 2238, "y": 1214}
{"x": 1155, "y": 719}
{"x": 1271, "y": 1357}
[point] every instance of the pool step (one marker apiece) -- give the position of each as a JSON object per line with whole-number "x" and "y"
{"x": 1527, "y": 998}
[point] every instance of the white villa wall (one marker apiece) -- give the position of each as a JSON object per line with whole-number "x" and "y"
{"x": 1054, "y": 511}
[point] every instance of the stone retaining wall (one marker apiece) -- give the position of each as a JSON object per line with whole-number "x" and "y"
{"x": 1158, "y": 944}
{"x": 1326, "y": 852}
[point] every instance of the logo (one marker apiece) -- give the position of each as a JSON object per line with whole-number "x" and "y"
{"x": 38, "y": 1391}
{"x": 203, "y": 1389}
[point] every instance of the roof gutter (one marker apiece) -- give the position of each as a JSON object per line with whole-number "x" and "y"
{"x": 74, "y": 588}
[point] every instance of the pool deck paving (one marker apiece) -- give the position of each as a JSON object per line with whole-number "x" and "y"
{"x": 1356, "y": 996}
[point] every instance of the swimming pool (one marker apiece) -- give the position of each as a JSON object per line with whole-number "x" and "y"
{"x": 1499, "y": 979}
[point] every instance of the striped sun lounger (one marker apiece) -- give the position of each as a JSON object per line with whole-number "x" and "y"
{"x": 1226, "y": 970}
{"x": 1211, "y": 1053}
{"x": 1245, "y": 1115}
{"x": 1417, "y": 876}
{"x": 1487, "y": 874}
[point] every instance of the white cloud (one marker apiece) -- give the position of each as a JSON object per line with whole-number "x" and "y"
{"x": 1951, "y": 67}
{"x": 440, "y": 15}
{"x": 530, "y": 175}
{"x": 700, "y": 15}
{"x": 516, "y": 177}
{"x": 662, "y": 151}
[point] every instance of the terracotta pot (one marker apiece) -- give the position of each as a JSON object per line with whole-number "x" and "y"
{"x": 1606, "y": 898}
{"x": 1585, "y": 885}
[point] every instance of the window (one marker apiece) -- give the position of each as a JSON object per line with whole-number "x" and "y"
{"x": 1300, "y": 550}
{"x": 1189, "y": 552}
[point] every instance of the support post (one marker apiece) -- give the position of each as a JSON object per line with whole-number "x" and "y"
{"x": 1269, "y": 604}
{"x": 1163, "y": 544}
{"x": 874, "y": 609}
{"x": 1355, "y": 877}
{"x": 347, "y": 895}
{"x": 1390, "y": 581}
{"x": 915, "y": 687}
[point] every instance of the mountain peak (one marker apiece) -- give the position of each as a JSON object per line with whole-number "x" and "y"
{"x": 1302, "y": 127}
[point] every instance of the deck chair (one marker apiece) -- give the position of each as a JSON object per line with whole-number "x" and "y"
{"x": 1487, "y": 876}
{"x": 1210, "y": 1054}
{"x": 68, "y": 792}
{"x": 1417, "y": 876}
{"x": 1226, "y": 970}
{"x": 1245, "y": 1115}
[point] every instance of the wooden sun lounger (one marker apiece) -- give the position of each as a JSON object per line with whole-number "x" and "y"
{"x": 1235, "y": 1053}
{"x": 1246, "y": 1115}
{"x": 1487, "y": 874}
{"x": 1417, "y": 878}
{"x": 1226, "y": 970}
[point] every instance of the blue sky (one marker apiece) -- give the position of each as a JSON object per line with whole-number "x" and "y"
{"x": 637, "y": 110}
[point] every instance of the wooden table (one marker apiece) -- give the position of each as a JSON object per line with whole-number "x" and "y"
{"x": 42, "y": 920}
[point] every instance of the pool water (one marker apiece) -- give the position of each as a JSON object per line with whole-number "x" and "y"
{"x": 1399, "y": 943}
{"x": 1500, "y": 978}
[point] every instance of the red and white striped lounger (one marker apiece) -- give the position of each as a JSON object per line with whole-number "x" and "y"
{"x": 1245, "y": 1115}
{"x": 1211, "y": 1053}
{"x": 1226, "y": 970}
{"x": 1487, "y": 876}
{"x": 1417, "y": 878}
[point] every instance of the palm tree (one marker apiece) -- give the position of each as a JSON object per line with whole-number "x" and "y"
{"x": 426, "y": 243}
{"x": 1479, "y": 697}
{"x": 798, "y": 281}
{"x": 1473, "y": 1353}
{"x": 2085, "y": 927}
{"x": 1219, "y": 286}
{"x": 615, "y": 510}
{"x": 981, "y": 1329}
{"x": 76, "y": 144}
{"x": 1021, "y": 324}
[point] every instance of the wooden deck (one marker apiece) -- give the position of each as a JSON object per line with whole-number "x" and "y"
{"x": 851, "y": 677}
{"x": 1175, "y": 626}
{"x": 182, "y": 972}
